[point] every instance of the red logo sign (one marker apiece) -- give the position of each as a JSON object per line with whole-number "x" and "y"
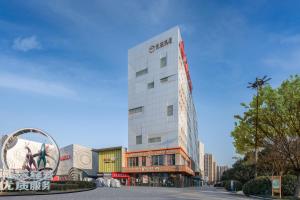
{"x": 65, "y": 157}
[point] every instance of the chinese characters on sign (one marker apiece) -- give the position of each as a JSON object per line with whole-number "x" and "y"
{"x": 152, "y": 48}
{"x": 12, "y": 180}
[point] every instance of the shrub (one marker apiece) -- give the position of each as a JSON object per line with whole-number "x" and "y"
{"x": 69, "y": 185}
{"x": 259, "y": 186}
{"x": 237, "y": 186}
{"x": 289, "y": 184}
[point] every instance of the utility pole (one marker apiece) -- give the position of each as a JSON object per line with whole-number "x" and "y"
{"x": 257, "y": 85}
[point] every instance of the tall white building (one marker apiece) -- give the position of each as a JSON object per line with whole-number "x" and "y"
{"x": 201, "y": 158}
{"x": 161, "y": 112}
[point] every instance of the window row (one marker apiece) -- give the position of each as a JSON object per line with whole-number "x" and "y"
{"x": 139, "y": 139}
{"x": 155, "y": 160}
{"x": 140, "y": 109}
{"x": 163, "y": 63}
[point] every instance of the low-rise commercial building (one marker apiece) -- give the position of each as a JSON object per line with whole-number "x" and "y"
{"x": 164, "y": 167}
{"x": 77, "y": 163}
{"x": 111, "y": 162}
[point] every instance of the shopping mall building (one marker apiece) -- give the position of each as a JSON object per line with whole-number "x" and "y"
{"x": 162, "y": 121}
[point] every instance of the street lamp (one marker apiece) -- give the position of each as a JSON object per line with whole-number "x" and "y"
{"x": 257, "y": 85}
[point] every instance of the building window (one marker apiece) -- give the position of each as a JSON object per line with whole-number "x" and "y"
{"x": 171, "y": 159}
{"x": 133, "y": 162}
{"x": 163, "y": 80}
{"x": 163, "y": 61}
{"x": 141, "y": 72}
{"x": 136, "y": 110}
{"x": 143, "y": 160}
{"x": 158, "y": 160}
{"x": 154, "y": 139}
{"x": 138, "y": 139}
{"x": 151, "y": 85}
{"x": 170, "y": 110}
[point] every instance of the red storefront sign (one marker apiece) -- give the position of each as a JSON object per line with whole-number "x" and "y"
{"x": 65, "y": 157}
{"x": 186, "y": 66}
{"x": 119, "y": 175}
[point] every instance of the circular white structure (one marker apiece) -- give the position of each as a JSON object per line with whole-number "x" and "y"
{"x": 12, "y": 140}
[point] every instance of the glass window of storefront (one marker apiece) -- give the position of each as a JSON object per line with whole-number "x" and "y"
{"x": 158, "y": 160}
{"x": 143, "y": 160}
{"x": 171, "y": 159}
{"x": 133, "y": 162}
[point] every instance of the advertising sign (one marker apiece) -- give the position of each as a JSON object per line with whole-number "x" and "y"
{"x": 276, "y": 185}
{"x": 30, "y": 159}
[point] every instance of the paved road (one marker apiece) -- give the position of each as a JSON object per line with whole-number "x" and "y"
{"x": 139, "y": 193}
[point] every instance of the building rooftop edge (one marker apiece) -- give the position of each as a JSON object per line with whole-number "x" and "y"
{"x": 154, "y": 37}
{"x": 108, "y": 148}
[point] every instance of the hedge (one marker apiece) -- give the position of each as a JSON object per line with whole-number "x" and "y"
{"x": 259, "y": 186}
{"x": 69, "y": 185}
{"x": 263, "y": 186}
{"x": 289, "y": 184}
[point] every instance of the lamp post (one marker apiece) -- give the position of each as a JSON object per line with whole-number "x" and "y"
{"x": 257, "y": 85}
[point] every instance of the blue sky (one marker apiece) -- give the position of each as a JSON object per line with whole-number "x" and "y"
{"x": 63, "y": 64}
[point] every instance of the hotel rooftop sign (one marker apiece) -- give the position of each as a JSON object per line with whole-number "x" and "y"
{"x": 159, "y": 45}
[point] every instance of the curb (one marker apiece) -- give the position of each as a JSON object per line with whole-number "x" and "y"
{"x": 252, "y": 196}
{"x": 43, "y": 193}
{"x": 258, "y": 197}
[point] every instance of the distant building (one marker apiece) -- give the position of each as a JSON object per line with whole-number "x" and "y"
{"x": 220, "y": 171}
{"x": 214, "y": 171}
{"x": 210, "y": 169}
{"x": 201, "y": 159}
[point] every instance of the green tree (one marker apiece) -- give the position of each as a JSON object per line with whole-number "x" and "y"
{"x": 278, "y": 127}
{"x": 241, "y": 171}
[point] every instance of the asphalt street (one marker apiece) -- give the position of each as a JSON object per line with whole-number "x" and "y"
{"x": 137, "y": 193}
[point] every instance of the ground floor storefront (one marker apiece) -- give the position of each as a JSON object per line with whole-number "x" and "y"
{"x": 124, "y": 178}
{"x": 161, "y": 179}
{"x": 170, "y": 167}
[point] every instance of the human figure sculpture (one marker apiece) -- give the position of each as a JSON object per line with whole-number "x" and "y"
{"x": 29, "y": 160}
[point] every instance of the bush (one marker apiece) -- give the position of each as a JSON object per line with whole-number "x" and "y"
{"x": 289, "y": 184}
{"x": 70, "y": 185}
{"x": 237, "y": 186}
{"x": 259, "y": 186}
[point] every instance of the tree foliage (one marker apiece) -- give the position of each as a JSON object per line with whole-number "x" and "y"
{"x": 278, "y": 137}
{"x": 241, "y": 171}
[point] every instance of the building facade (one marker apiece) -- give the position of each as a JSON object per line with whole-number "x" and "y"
{"x": 111, "y": 163}
{"x": 77, "y": 162}
{"x": 220, "y": 171}
{"x": 201, "y": 159}
{"x": 162, "y": 120}
{"x": 210, "y": 169}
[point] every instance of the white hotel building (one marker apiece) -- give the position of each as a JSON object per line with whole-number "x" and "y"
{"x": 162, "y": 121}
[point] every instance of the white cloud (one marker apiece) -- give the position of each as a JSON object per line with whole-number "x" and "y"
{"x": 287, "y": 61}
{"x": 35, "y": 86}
{"x": 292, "y": 39}
{"x": 26, "y": 43}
